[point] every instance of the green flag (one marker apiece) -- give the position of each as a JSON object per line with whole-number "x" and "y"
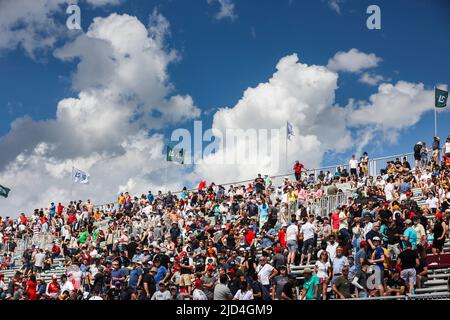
{"x": 175, "y": 155}
{"x": 440, "y": 98}
{"x": 4, "y": 191}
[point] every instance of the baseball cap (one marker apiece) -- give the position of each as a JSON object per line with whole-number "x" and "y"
{"x": 307, "y": 270}
{"x": 407, "y": 221}
{"x": 439, "y": 215}
{"x": 198, "y": 282}
{"x": 378, "y": 238}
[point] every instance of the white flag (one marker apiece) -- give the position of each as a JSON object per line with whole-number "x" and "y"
{"x": 289, "y": 130}
{"x": 79, "y": 176}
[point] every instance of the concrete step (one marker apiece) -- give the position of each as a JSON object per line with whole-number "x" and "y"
{"x": 436, "y": 282}
{"x": 442, "y": 288}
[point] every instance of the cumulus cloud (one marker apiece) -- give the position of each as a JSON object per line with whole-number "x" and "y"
{"x": 99, "y": 3}
{"x": 393, "y": 107}
{"x": 304, "y": 95}
{"x": 370, "y": 79}
{"x": 29, "y": 24}
{"x": 33, "y": 25}
{"x": 353, "y": 61}
{"x": 226, "y": 9}
{"x": 105, "y": 128}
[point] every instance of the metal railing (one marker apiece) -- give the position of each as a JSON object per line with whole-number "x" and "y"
{"x": 374, "y": 167}
{"x": 422, "y": 296}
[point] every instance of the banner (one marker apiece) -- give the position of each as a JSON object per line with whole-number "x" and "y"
{"x": 289, "y": 130}
{"x": 79, "y": 176}
{"x": 4, "y": 191}
{"x": 175, "y": 155}
{"x": 440, "y": 98}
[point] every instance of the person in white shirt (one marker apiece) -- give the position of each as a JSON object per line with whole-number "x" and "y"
{"x": 388, "y": 189}
{"x": 39, "y": 261}
{"x": 331, "y": 248}
{"x": 308, "y": 230}
{"x": 291, "y": 241}
{"x": 243, "y": 293}
{"x": 265, "y": 272}
{"x": 66, "y": 285}
{"x": 162, "y": 293}
{"x": 353, "y": 165}
{"x": 432, "y": 202}
{"x": 198, "y": 293}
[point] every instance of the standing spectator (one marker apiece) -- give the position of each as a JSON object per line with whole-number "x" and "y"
{"x": 353, "y": 165}
{"x": 310, "y": 289}
{"x": 308, "y": 230}
{"x": 298, "y": 167}
{"x": 292, "y": 234}
{"x": 408, "y": 260}
{"x": 439, "y": 234}
{"x": 341, "y": 286}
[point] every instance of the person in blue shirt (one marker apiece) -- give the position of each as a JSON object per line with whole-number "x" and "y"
{"x": 162, "y": 271}
{"x": 135, "y": 274}
{"x": 263, "y": 209}
{"x": 117, "y": 275}
{"x": 52, "y": 210}
{"x": 409, "y": 234}
{"x": 150, "y": 197}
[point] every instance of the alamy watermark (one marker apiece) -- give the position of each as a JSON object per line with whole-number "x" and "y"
{"x": 251, "y": 146}
{"x": 73, "y": 22}
{"x": 374, "y": 20}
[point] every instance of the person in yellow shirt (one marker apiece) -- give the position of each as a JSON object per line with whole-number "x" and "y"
{"x": 292, "y": 196}
{"x": 121, "y": 200}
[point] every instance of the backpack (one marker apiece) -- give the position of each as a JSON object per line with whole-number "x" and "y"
{"x": 417, "y": 148}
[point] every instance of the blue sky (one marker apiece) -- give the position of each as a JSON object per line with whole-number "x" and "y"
{"x": 218, "y": 59}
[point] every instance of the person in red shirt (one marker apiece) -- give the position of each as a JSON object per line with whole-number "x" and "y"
{"x": 249, "y": 236}
{"x": 60, "y": 208}
{"x": 298, "y": 167}
{"x": 31, "y": 287}
{"x": 335, "y": 220}
{"x": 53, "y": 287}
{"x": 282, "y": 236}
{"x": 201, "y": 185}
{"x": 23, "y": 219}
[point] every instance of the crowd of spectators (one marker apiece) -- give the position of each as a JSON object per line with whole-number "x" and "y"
{"x": 242, "y": 242}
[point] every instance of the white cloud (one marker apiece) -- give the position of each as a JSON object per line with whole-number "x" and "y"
{"x": 305, "y": 95}
{"x": 353, "y": 61}
{"x": 226, "y": 10}
{"x": 99, "y": 3}
{"x": 370, "y": 79}
{"x": 393, "y": 107}
{"x": 32, "y": 24}
{"x": 302, "y": 94}
{"x": 29, "y": 24}
{"x": 104, "y": 129}
{"x": 334, "y": 5}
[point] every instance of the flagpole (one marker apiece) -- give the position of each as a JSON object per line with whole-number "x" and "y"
{"x": 286, "y": 138}
{"x": 71, "y": 185}
{"x": 165, "y": 178}
{"x": 165, "y": 170}
{"x": 435, "y": 119}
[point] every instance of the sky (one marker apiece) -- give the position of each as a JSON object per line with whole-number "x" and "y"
{"x": 107, "y": 98}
